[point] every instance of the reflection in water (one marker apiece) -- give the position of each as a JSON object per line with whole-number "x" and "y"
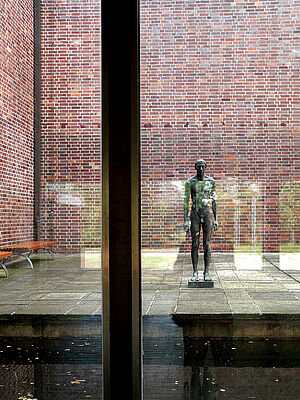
{"x": 45, "y": 369}
{"x": 175, "y": 368}
{"x": 241, "y": 369}
{"x": 49, "y": 381}
{"x": 178, "y": 367}
{"x": 208, "y": 389}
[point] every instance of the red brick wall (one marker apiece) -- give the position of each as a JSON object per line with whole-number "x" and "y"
{"x": 71, "y": 144}
{"x": 16, "y": 121}
{"x": 219, "y": 81}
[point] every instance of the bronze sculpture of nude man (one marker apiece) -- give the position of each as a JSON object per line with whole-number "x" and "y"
{"x": 201, "y": 189}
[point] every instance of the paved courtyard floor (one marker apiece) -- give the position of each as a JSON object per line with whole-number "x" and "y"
{"x": 246, "y": 284}
{"x": 56, "y": 287}
{"x": 243, "y": 284}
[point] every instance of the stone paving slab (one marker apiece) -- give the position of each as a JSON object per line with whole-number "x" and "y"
{"x": 59, "y": 287}
{"x": 63, "y": 287}
{"x": 264, "y": 290}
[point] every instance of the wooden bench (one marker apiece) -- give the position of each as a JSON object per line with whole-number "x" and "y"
{"x": 25, "y": 249}
{"x": 3, "y": 256}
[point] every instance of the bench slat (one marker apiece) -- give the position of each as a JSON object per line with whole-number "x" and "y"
{"x": 28, "y": 246}
{"x": 4, "y": 254}
{"x": 22, "y": 248}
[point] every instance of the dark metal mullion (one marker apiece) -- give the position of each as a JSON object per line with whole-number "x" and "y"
{"x": 136, "y": 203}
{"x": 120, "y": 201}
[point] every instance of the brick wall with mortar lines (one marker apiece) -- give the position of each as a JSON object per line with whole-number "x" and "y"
{"x": 219, "y": 81}
{"x": 71, "y": 142}
{"x": 16, "y": 121}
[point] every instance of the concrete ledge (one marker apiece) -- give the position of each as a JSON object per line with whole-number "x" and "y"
{"x": 239, "y": 326}
{"x": 50, "y": 326}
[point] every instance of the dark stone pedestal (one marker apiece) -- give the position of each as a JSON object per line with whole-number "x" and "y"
{"x": 200, "y": 283}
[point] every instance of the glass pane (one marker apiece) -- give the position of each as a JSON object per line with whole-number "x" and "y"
{"x": 218, "y": 83}
{"x": 71, "y": 144}
{"x": 50, "y": 237}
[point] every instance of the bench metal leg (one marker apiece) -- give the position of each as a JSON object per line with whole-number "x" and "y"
{"x": 50, "y": 252}
{"x": 31, "y": 252}
{"x": 43, "y": 250}
{"x": 5, "y": 270}
{"x": 27, "y": 258}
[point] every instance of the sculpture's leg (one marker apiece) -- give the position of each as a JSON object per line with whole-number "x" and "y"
{"x": 207, "y": 230}
{"x": 194, "y": 253}
{"x": 207, "y": 260}
{"x": 195, "y": 232}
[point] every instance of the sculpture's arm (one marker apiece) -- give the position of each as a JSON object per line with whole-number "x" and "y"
{"x": 214, "y": 208}
{"x": 187, "y": 193}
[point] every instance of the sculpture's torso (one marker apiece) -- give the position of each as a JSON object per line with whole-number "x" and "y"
{"x": 202, "y": 192}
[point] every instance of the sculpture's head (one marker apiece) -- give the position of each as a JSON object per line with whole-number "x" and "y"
{"x": 200, "y": 166}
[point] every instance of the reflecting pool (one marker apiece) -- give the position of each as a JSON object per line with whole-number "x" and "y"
{"x": 193, "y": 368}
{"x": 174, "y": 366}
{"x": 50, "y": 368}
